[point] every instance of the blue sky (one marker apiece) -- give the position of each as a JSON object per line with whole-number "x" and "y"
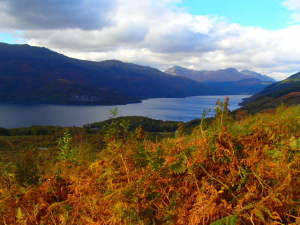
{"x": 268, "y": 14}
{"x": 11, "y": 38}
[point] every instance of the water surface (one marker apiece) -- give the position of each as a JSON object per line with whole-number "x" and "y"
{"x": 180, "y": 109}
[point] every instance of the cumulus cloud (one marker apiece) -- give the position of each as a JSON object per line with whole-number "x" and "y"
{"x": 54, "y": 14}
{"x": 293, "y": 5}
{"x": 144, "y": 24}
{"x": 151, "y": 32}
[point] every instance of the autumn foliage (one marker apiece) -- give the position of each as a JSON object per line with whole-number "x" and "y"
{"x": 228, "y": 171}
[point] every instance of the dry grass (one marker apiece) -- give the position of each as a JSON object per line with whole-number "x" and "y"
{"x": 246, "y": 172}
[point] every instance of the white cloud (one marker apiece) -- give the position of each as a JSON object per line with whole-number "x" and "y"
{"x": 294, "y": 6}
{"x": 155, "y": 33}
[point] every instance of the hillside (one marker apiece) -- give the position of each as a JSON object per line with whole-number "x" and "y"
{"x": 38, "y": 75}
{"x": 229, "y": 81}
{"x": 134, "y": 122}
{"x": 283, "y": 92}
{"x": 226, "y": 172}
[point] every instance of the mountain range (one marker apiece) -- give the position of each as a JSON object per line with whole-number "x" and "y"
{"x": 230, "y": 80}
{"x": 224, "y": 75}
{"x": 38, "y": 75}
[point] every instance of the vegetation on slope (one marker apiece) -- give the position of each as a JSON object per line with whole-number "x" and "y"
{"x": 134, "y": 122}
{"x": 230, "y": 171}
{"x": 44, "y": 137}
{"x": 283, "y": 92}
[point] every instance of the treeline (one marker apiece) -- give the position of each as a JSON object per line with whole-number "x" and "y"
{"x": 133, "y": 122}
{"x": 29, "y": 131}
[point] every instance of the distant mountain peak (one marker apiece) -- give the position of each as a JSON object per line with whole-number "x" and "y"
{"x": 175, "y": 69}
{"x": 231, "y": 69}
{"x": 223, "y": 75}
{"x": 247, "y": 71}
{"x": 111, "y": 61}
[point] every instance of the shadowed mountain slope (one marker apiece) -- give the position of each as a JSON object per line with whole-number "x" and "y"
{"x": 38, "y": 75}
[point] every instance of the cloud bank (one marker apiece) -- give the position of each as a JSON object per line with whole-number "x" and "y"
{"x": 293, "y": 5}
{"x": 56, "y": 14}
{"x": 155, "y": 33}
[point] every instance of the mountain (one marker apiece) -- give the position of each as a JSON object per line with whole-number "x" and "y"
{"x": 227, "y": 81}
{"x": 258, "y": 76}
{"x": 225, "y": 75}
{"x": 283, "y": 92}
{"x": 38, "y": 75}
{"x": 35, "y": 75}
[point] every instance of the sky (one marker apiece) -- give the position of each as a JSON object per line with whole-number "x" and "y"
{"x": 259, "y": 35}
{"x": 267, "y": 14}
